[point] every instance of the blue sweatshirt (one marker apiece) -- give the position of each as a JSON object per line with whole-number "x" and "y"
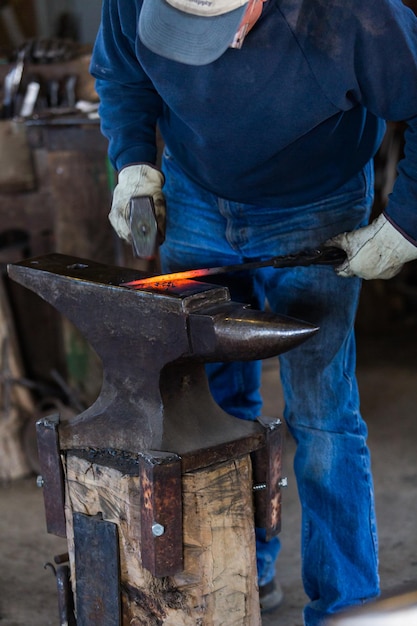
{"x": 282, "y": 122}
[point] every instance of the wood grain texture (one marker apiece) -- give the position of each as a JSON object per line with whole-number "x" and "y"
{"x": 218, "y": 584}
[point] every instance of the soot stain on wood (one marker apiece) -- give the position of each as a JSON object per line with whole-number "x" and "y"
{"x": 120, "y": 460}
{"x": 156, "y": 600}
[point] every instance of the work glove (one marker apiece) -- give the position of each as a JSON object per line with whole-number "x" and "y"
{"x": 375, "y": 251}
{"x": 137, "y": 180}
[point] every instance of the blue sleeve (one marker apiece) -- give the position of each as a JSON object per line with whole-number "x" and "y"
{"x": 388, "y": 84}
{"x": 402, "y": 202}
{"x": 129, "y": 104}
{"x": 370, "y": 47}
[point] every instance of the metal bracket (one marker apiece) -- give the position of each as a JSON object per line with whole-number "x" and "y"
{"x": 267, "y": 468}
{"x": 52, "y": 474}
{"x": 97, "y": 571}
{"x": 161, "y": 512}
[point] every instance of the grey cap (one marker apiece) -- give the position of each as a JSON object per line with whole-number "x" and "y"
{"x": 194, "y": 32}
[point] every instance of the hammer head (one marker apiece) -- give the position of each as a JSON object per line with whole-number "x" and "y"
{"x": 144, "y": 227}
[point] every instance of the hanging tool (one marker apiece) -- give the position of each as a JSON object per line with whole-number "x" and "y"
{"x": 29, "y": 100}
{"x": 12, "y": 83}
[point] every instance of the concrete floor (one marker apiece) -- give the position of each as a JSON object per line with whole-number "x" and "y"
{"x": 387, "y": 373}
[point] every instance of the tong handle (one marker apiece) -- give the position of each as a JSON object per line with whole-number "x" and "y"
{"x": 324, "y": 255}
{"x": 331, "y": 255}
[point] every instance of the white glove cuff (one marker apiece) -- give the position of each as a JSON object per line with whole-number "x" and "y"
{"x": 142, "y": 178}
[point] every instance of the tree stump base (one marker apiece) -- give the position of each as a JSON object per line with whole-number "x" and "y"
{"x": 218, "y": 585}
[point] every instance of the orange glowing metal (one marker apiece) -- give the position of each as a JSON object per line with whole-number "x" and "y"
{"x": 174, "y": 279}
{"x": 320, "y": 256}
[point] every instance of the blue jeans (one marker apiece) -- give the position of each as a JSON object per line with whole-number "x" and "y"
{"x": 332, "y": 461}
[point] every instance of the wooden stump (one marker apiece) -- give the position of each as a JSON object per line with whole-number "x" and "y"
{"x": 218, "y": 585}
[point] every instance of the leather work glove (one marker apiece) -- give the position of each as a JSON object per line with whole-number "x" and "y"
{"x": 375, "y": 251}
{"x": 137, "y": 180}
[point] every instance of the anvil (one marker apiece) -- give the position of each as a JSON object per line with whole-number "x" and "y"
{"x": 153, "y": 346}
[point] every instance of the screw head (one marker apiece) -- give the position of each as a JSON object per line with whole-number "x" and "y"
{"x": 40, "y": 481}
{"x": 157, "y": 529}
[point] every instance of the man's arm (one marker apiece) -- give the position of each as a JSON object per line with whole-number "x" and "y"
{"x": 129, "y": 110}
{"x": 383, "y": 78}
{"x": 129, "y": 104}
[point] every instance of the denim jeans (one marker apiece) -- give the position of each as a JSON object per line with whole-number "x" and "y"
{"x": 332, "y": 461}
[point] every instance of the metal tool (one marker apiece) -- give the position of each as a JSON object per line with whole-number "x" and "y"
{"x": 324, "y": 255}
{"x": 143, "y": 227}
{"x": 12, "y": 83}
{"x": 70, "y": 84}
{"x": 30, "y": 98}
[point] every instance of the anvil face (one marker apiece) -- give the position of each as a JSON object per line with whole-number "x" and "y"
{"x": 153, "y": 345}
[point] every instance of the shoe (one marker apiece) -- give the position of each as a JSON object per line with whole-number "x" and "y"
{"x": 270, "y": 596}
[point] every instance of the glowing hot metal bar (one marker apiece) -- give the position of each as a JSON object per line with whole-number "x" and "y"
{"x": 320, "y": 256}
